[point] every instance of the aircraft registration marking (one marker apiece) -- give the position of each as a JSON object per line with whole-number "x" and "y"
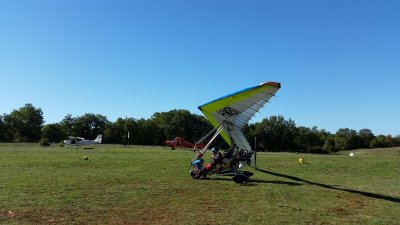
{"x": 228, "y": 112}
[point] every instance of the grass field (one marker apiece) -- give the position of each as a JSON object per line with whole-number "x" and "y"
{"x": 145, "y": 185}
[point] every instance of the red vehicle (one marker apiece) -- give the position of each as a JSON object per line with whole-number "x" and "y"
{"x": 180, "y": 142}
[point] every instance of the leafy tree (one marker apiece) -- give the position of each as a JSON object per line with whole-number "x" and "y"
{"x": 366, "y": 136}
{"x": 310, "y": 140}
{"x": 346, "y": 139}
{"x": 117, "y": 132}
{"x": 89, "y": 125}
{"x": 277, "y": 134}
{"x": 131, "y": 127}
{"x": 273, "y": 133}
{"x": 329, "y": 145}
{"x": 181, "y": 123}
{"x": 53, "y": 132}
{"x": 44, "y": 142}
{"x": 252, "y": 132}
{"x": 390, "y": 141}
{"x": 380, "y": 141}
{"x": 148, "y": 133}
{"x": 25, "y": 123}
{"x": 396, "y": 140}
{"x": 68, "y": 124}
{"x": 5, "y": 135}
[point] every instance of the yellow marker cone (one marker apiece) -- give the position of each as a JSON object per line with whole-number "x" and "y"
{"x": 301, "y": 161}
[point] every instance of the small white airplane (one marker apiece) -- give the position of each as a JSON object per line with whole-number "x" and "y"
{"x": 78, "y": 141}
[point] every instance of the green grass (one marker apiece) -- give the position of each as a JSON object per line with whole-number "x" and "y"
{"x": 145, "y": 185}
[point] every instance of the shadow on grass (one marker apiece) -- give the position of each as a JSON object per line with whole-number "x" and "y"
{"x": 368, "y": 194}
{"x": 252, "y": 181}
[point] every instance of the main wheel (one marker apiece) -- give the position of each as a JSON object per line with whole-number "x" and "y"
{"x": 240, "y": 178}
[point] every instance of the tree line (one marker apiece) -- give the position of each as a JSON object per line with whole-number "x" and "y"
{"x": 275, "y": 133}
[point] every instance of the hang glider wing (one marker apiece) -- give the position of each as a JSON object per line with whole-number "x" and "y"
{"x": 235, "y": 110}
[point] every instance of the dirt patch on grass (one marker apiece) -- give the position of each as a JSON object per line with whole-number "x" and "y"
{"x": 348, "y": 209}
{"x": 29, "y": 216}
{"x": 152, "y": 215}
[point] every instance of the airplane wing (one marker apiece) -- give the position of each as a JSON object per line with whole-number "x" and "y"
{"x": 233, "y": 111}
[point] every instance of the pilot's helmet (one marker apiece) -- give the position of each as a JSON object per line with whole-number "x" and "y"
{"x": 214, "y": 150}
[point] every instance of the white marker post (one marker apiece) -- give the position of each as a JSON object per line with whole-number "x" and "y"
{"x": 128, "y": 139}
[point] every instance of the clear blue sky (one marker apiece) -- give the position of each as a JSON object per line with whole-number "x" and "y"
{"x": 338, "y": 61}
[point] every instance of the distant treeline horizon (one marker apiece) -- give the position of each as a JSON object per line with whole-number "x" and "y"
{"x": 275, "y": 133}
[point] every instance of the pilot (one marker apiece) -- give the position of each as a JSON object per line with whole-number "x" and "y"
{"x": 216, "y": 159}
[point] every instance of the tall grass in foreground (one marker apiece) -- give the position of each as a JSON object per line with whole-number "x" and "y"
{"x": 144, "y": 185}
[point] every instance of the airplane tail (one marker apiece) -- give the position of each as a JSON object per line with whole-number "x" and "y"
{"x": 99, "y": 138}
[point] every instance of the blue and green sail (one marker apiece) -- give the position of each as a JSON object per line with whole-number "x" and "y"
{"x": 236, "y": 109}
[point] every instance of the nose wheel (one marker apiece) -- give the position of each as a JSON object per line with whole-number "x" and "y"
{"x": 192, "y": 173}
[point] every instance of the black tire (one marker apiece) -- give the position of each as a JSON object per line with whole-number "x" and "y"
{"x": 192, "y": 173}
{"x": 240, "y": 178}
{"x": 248, "y": 174}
